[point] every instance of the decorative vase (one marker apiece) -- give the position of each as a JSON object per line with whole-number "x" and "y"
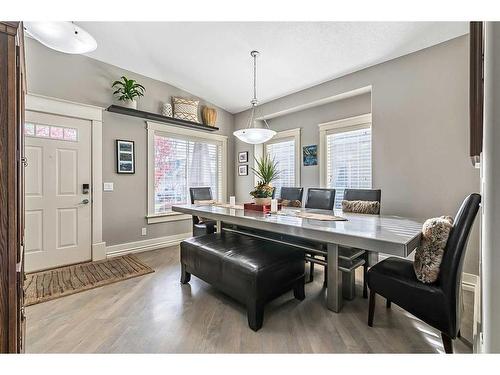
{"x": 166, "y": 109}
{"x": 132, "y": 104}
{"x": 209, "y": 116}
{"x": 262, "y": 201}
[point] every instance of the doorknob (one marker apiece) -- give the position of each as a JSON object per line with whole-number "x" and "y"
{"x": 84, "y": 201}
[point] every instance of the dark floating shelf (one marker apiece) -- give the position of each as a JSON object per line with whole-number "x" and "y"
{"x": 159, "y": 118}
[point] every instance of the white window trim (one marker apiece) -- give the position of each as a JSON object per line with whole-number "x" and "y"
{"x": 279, "y": 137}
{"x": 351, "y": 123}
{"x": 153, "y": 127}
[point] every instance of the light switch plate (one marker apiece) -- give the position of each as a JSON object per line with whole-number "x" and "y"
{"x": 108, "y": 186}
{"x": 144, "y": 232}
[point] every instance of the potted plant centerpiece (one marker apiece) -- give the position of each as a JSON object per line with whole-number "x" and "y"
{"x": 128, "y": 90}
{"x": 266, "y": 172}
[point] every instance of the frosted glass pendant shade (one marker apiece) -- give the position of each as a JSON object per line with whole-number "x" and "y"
{"x": 254, "y": 136}
{"x": 62, "y": 36}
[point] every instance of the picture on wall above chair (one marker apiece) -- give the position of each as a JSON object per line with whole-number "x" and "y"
{"x": 243, "y": 157}
{"x": 310, "y": 155}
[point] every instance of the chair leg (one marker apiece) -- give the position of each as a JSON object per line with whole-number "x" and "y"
{"x": 298, "y": 290}
{"x": 365, "y": 283}
{"x": 311, "y": 272}
{"x": 459, "y": 334}
{"x": 371, "y": 308}
{"x": 387, "y": 304}
{"x": 255, "y": 314}
{"x": 447, "y": 343}
{"x": 185, "y": 276}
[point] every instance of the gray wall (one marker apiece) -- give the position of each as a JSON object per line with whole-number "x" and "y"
{"x": 84, "y": 80}
{"x": 420, "y": 132}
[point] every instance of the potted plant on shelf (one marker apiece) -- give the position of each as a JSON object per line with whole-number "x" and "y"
{"x": 128, "y": 90}
{"x": 266, "y": 172}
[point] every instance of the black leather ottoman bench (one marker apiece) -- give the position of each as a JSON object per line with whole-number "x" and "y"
{"x": 251, "y": 270}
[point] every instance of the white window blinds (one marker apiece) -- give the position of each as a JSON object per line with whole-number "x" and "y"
{"x": 349, "y": 160}
{"x": 284, "y": 154}
{"x": 183, "y": 163}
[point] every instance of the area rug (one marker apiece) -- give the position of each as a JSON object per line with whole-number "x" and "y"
{"x": 59, "y": 282}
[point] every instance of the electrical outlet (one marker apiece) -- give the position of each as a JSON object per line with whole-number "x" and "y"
{"x": 144, "y": 231}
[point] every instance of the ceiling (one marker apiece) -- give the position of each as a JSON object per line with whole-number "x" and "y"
{"x": 212, "y": 59}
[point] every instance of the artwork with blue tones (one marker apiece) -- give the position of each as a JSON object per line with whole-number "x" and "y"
{"x": 310, "y": 155}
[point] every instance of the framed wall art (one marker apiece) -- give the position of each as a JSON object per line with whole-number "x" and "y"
{"x": 125, "y": 156}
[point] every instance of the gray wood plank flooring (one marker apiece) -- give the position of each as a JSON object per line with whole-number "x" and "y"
{"x": 156, "y": 314}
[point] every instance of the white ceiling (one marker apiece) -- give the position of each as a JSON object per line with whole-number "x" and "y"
{"x": 212, "y": 60}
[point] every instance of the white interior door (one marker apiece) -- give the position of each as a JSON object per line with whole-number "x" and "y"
{"x": 58, "y": 210}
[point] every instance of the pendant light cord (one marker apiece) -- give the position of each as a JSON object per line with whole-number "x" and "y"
{"x": 254, "y": 101}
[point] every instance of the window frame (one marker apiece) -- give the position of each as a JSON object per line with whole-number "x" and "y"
{"x": 340, "y": 126}
{"x": 283, "y": 136}
{"x": 153, "y": 129}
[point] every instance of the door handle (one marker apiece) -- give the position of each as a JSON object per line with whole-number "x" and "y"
{"x": 83, "y": 202}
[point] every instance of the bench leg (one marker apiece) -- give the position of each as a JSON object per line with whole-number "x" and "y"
{"x": 185, "y": 276}
{"x": 255, "y": 313}
{"x": 298, "y": 290}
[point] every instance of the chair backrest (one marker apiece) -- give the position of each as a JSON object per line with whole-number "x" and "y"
{"x": 453, "y": 258}
{"x": 292, "y": 193}
{"x": 372, "y": 195}
{"x": 323, "y": 199}
{"x": 200, "y": 194}
{"x": 362, "y": 194}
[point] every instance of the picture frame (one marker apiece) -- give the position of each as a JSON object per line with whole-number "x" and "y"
{"x": 310, "y": 155}
{"x": 243, "y": 170}
{"x": 125, "y": 156}
{"x": 243, "y": 157}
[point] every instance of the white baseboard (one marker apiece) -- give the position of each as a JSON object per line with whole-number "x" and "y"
{"x": 98, "y": 251}
{"x": 145, "y": 245}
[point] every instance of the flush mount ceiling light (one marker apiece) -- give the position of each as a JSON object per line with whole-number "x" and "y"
{"x": 252, "y": 134}
{"x": 62, "y": 36}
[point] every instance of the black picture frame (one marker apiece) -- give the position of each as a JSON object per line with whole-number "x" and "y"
{"x": 243, "y": 170}
{"x": 243, "y": 157}
{"x": 125, "y": 156}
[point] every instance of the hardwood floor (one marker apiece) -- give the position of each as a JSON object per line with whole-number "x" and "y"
{"x": 156, "y": 314}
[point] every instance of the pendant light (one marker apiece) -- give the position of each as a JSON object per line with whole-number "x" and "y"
{"x": 252, "y": 134}
{"x": 62, "y": 36}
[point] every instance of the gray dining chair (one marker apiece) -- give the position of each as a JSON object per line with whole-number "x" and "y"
{"x": 201, "y": 226}
{"x": 292, "y": 193}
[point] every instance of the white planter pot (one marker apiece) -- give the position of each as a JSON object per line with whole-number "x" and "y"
{"x": 132, "y": 104}
{"x": 262, "y": 201}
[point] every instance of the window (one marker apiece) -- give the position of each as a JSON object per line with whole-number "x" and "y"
{"x": 284, "y": 148}
{"x": 348, "y": 156}
{"x": 180, "y": 159}
{"x": 50, "y": 132}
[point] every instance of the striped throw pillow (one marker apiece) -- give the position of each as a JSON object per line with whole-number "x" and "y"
{"x": 185, "y": 109}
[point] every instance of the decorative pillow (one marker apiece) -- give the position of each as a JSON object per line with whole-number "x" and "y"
{"x": 428, "y": 257}
{"x": 293, "y": 203}
{"x": 361, "y": 207}
{"x": 185, "y": 109}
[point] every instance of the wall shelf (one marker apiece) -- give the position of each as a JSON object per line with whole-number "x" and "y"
{"x": 159, "y": 118}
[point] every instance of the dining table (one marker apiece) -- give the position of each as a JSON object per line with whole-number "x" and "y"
{"x": 378, "y": 234}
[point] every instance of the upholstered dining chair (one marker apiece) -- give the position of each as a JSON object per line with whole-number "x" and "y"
{"x": 292, "y": 193}
{"x": 437, "y": 304}
{"x": 351, "y": 254}
{"x": 201, "y": 226}
{"x": 322, "y": 199}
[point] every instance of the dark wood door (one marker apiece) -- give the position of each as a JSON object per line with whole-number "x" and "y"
{"x": 12, "y": 92}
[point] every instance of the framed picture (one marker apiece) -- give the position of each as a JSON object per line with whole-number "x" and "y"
{"x": 243, "y": 170}
{"x": 310, "y": 155}
{"x": 243, "y": 157}
{"x": 125, "y": 157}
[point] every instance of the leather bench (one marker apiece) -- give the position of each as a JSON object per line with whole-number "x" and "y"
{"x": 252, "y": 271}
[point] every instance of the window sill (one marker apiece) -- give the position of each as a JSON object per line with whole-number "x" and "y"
{"x": 166, "y": 217}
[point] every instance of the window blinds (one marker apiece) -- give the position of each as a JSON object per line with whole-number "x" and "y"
{"x": 181, "y": 164}
{"x": 284, "y": 154}
{"x": 349, "y": 161}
